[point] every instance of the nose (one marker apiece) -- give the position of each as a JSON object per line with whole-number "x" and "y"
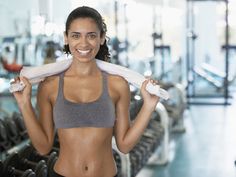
{"x": 83, "y": 41}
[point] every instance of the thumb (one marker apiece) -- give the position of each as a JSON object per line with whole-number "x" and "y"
{"x": 145, "y": 83}
{"x": 25, "y": 81}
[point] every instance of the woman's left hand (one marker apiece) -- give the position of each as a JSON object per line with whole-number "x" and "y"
{"x": 150, "y": 100}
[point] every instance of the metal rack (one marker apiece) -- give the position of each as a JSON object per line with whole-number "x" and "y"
{"x": 190, "y": 60}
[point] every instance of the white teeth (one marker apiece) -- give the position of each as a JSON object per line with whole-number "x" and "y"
{"x": 83, "y": 52}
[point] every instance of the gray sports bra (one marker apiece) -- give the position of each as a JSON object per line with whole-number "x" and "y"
{"x": 99, "y": 113}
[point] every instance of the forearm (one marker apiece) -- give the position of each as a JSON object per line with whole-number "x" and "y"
{"x": 35, "y": 131}
{"x": 137, "y": 128}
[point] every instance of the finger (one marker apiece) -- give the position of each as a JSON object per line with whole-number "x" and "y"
{"x": 24, "y": 80}
{"x": 145, "y": 83}
{"x": 15, "y": 80}
{"x": 12, "y": 81}
{"x": 154, "y": 82}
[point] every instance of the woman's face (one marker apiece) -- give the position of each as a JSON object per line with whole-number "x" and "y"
{"x": 84, "y": 39}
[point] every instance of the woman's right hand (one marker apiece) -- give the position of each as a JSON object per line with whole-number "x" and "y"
{"x": 23, "y": 97}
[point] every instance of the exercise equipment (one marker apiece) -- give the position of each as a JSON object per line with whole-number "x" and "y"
{"x": 4, "y": 141}
{"x": 11, "y": 67}
{"x": 12, "y": 168}
{"x": 18, "y": 119}
{"x": 209, "y": 78}
{"x": 39, "y": 166}
{"x": 1, "y": 168}
{"x": 118, "y": 162}
{"x": 175, "y": 106}
{"x": 31, "y": 154}
{"x": 192, "y": 71}
{"x": 155, "y": 137}
{"x": 12, "y": 131}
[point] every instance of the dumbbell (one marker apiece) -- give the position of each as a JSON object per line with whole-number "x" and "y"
{"x": 118, "y": 162}
{"x": 4, "y": 142}
{"x": 154, "y": 125}
{"x": 156, "y": 116}
{"x": 135, "y": 106}
{"x": 136, "y": 160}
{"x": 143, "y": 152}
{"x": 12, "y": 131}
{"x": 147, "y": 147}
{"x": 157, "y": 130}
{"x": 1, "y": 168}
{"x": 132, "y": 111}
{"x": 17, "y": 118}
{"x": 56, "y": 144}
{"x": 40, "y": 168}
{"x": 11, "y": 167}
{"x": 147, "y": 143}
{"x": 31, "y": 154}
{"x": 150, "y": 140}
{"x": 133, "y": 165}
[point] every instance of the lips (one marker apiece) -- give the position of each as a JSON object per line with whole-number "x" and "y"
{"x": 83, "y": 52}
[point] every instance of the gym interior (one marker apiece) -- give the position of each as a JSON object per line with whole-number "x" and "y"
{"x": 189, "y": 46}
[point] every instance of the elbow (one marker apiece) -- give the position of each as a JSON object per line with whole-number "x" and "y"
{"x": 43, "y": 149}
{"x": 43, "y": 152}
{"x": 125, "y": 149}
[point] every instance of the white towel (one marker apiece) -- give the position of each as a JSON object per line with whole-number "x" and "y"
{"x": 38, "y": 73}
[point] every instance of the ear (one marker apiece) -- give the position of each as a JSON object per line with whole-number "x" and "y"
{"x": 65, "y": 38}
{"x": 103, "y": 39}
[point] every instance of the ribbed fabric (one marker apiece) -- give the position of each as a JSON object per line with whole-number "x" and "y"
{"x": 99, "y": 113}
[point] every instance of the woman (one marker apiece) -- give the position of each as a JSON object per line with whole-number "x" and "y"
{"x": 85, "y": 105}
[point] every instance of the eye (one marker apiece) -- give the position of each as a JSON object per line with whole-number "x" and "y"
{"x": 92, "y": 36}
{"x": 75, "y": 36}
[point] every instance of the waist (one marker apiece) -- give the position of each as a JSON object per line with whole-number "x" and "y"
{"x": 86, "y": 164}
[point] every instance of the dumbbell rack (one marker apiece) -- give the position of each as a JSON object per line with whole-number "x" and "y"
{"x": 159, "y": 158}
{"x": 13, "y": 135}
{"x": 125, "y": 161}
{"x": 176, "y": 107}
{"x": 163, "y": 157}
{"x": 16, "y": 148}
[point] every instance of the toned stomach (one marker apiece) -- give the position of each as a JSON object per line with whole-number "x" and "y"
{"x": 85, "y": 152}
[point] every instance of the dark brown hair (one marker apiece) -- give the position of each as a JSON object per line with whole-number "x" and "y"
{"x": 88, "y": 12}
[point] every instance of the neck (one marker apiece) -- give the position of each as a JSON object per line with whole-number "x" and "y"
{"x": 83, "y": 68}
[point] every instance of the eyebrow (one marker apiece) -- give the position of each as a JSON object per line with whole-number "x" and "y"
{"x": 80, "y": 33}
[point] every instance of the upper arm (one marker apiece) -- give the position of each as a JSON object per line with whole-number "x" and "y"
{"x": 122, "y": 110}
{"x": 45, "y": 109}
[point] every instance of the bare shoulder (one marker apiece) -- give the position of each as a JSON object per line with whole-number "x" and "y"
{"x": 118, "y": 87}
{"x": 49, "y": 85}
{"x": 118, "y": 82}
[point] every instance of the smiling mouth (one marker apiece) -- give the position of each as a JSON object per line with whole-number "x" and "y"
{"x": 83, "y": 52}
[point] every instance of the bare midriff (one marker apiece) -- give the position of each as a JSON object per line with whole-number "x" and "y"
{"x": 85, "y": 152}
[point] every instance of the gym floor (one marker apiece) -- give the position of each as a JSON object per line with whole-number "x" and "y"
{"x": 207, "y": 148}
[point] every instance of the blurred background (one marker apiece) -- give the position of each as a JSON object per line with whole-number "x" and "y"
{"x": 189, "y": 46}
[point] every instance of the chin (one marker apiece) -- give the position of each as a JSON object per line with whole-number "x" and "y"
{"x": 85, "y": 58}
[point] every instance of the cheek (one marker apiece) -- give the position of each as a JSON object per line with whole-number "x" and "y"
{"x": 72, "y": 46}
{"x": 72, "y": 43}
{"x": 96, "y": 45}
